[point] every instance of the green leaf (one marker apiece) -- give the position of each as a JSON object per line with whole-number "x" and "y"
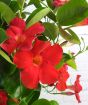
{"x": 75, "y": 37}
{"x": 3, "y": 36}
{"x": 36, "y": 3}
{"x": 70, "y": 37}
{"x": 52, "y": 16}
{"x": 72, "y": 12}
{"x": 51, "y": 30}
{"x": 72, "y": 64}
{"x": 10, "y": 102}
{"x": 38, "y": 16}
{"x": 53, "y": 102}
{"x": 50, "y": 3}
{"x": 23, "y": 102}
{"x": 6, "y": 12}
{"x": 5, "y": 56}
{"x": 67, "y": 59}
{"x": 14, "y": 6}
{"x": 6, "y": 1}
{"x": 41, "y": 102}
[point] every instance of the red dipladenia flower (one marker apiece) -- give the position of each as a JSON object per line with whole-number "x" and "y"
{"x": 3, "y": 98}
{"x": 63, "y": 75}
{"x": 39, "y": 64}
{"x": 20, "y": 37}
{"x": 57, "y": 3}
{"x": 76, "y": 88}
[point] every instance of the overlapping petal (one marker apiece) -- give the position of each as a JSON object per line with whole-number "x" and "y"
{"x": 40, "y": 46}
{"x": 48, "y": 74}
{"x": 34, "y": 30}
{"x": 30, "y": 77}
{"x": 9, "y": 45}
{"x": 53, "y": 54}
{"x": 23, "y": 59}
{"x": 18, "y": 22}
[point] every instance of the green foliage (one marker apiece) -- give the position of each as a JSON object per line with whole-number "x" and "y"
{"x": 6, "y": 12}
{"x": 51, "y": 30}
{"x": 69, "y": 36}
{"x": 5, "y": 56}
{"x": 41, "y": 102}
{"x": 6, "y": 1}
{"x": 3, "y": 36}
{"x": 72, "y": 12}
{"x": 38, "y": 16}
{"x": 53, "y": 102}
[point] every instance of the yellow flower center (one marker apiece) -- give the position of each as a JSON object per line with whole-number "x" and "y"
{"x": 37, "y": 60}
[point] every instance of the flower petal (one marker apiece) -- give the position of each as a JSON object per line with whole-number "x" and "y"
{"x": 39, "y": 46}
{"x": 30, "y": 77}
{"x": 23, "y": 59}
{"x": 48, "y": 74}
{"x": 35, "y": 29}
{"x": 13, "y": 32}
{"x": 18, "y": 22}
{"x": 61, "y": 86}
{"x": 9, "y": 45}
{"x": 53, "y": 54}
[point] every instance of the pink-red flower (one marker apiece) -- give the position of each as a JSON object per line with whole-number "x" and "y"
{"x": 57, "y": 3}
{"x": 19, "y": 37}
{"x": 76, "y": 88}
{"x": 38, "y": 64}
{"x": 3, "y": 98}
{"x": 63, "y": 75}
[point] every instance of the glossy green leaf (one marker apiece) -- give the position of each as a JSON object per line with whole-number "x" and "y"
{"x": 3, "y": 35}
{"x": 23, "y": 102}
{"x": 6, "y": 1}
{"x": 41, "y": 102}
{"x": 14, "y": 6}
{"x": 6, "y": 12}
{"x": 5, "y": 56}
{"x": 36, "y": 3}
{"x": 74, "y": 35}
{"x": 70, "y": 37}
{"x": 72, "y": 63}
{"x": 50, "y": 3}
{"x": 53, "y": 102}
{"x": 38, "y": 16}
{"x": 51, "y": 30}
{"x": 72, "y": 12}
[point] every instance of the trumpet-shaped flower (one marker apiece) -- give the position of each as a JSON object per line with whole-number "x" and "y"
{"x": 19, "y": 37}
{"x": 38, "y": 64}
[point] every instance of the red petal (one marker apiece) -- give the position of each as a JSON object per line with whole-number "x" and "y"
{"x": 39, "y": 46}
{"x": 61, "y": 86}
{"x": 18, "y": 22}
{"x": 63, "y": 74}
{"x": 9, "y": 45}
{"x": 78, "y": 97}
{"x": 30, "y": 77}
{"x": 48, "y": 74}
{"x": 53, "y": 54}
{"x": 23, "y": 59}
{"x": 13, "y": 32}
{"x": 35, "y": 29}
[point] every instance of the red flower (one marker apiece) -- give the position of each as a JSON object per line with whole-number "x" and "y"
{"x": 76, "y": 88}
{"x": 19, "y": 36}
{"x": 3, "y": 98}
{"x": 63, "y": 75}
{"x": 57, "y": 3}
{"x": 39, "y": 64}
